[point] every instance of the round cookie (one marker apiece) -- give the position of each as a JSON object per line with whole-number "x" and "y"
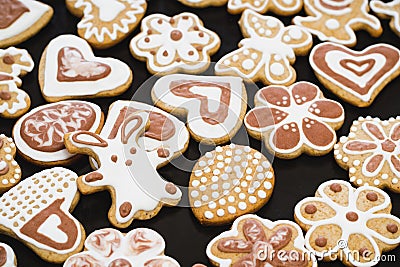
{"x": 228, "y": 182}
{"x": 10, "y": 171}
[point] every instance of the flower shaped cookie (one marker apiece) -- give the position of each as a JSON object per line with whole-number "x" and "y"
{"x": 371, "y": 152}
{"x": 295, "y": 119}
{"x": 353, "y": 224}
{"x": 173, "y": 44}
{"x": 388, "y": 10}
{"x": 141, "y": 247}
{"x": 254, "y": 241}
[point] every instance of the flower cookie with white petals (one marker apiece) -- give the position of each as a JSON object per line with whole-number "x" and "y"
{"x": 267, "y": 52}
{"x": 388, "y": 10}
{"x": 127, "y": 163}
{"x": 107, "y": 22}
{"x": 371, "y": 153}
{"x": 38, "y": 210}
{"x": 169, "y": 45}
{"x": 353, "y": 225}
{"x": 254, "y": 241}
{"x": 141, "y": 247}
{"x": 21, "y": 19}
{"x": 296, "y": 119}
{"x": 337, "y": 20}
{"x": 7, "y": 256}
{"x": 10, "y": 172}
{"x": 14, "y": 62}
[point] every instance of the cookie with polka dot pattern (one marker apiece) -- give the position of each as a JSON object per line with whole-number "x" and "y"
{"x": 10, "y": 172}
{"x": 228, "y": 182}
{"x": 371, "y": 153}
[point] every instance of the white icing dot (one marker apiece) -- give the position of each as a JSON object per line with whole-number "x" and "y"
{"x": 12, "y": 180}
{"x": 214, "y": 186}
{"x": 218, "y": 149}
{"x": 257, "y": 155}
{"x": 272, "y": 23}
{"x": 267, "y": 185}
{"x": 209, "y": 155}
{"x": 359, "y": 181}
{"x": 216, "y": 172}
{"x": 269, "y": 175}
{"x": 345, "y": 159}
{"x": 198, "y": 173}
{"x": 18, "y": 170}
{"x": 395, "y": 180}
{"x": 231, "y": 198}
{"x": 195, "y": 183}
{"x": 376, "y": 182}
{"x": 249, "y": 177}
{"x": 220, "y": 165}
{"x": 246, "y": 52}
{"x": 254, "y": 19}
{"x": 339, "y": 156}
{"x": 237, "y": 189}
{"x": 261, "y": 31}
{"x": 228, "y": 160}
{"x": 202, "y": 188}
{"x": 262, "y": 194}
{"x": 257, "y": 25}
{"x": 208, "y": 214}
{"x": 247, "y": 149}
{"x": 220, "y": 157}
{"x": 235, "y": 58}
{"x": 202, "y": 163}
{"x": 197, "y": 203}
{"x": 215, "y": 194}
{"x": 286, "y": 38}
{"x": 242, "y": 205}
{"x": 352, "y": 170}
{"x": 4, "y": 181}
{"x": 228, "y": 153}
{"x": 227, "y": 62}
{"x": 356, "y": 162}
{"x": 385, "y": 176}
{"x": 228, "y": 169}
{"x": 203, "y": 179}
{"x": 249, "y": 171}
{"x": 237, "y": 158}
{"x": 242, "y": 195}
{"x": 210, "y": 162}
{"x": 251, "y": 190}
{"x": 243, "y": 184}
{"x": 352, "y": 178}
{"x": 245, "y": 164}
{"x": 259, "y": 169}
{"x": 255, "y": 162}
{"x": 260, "y": 176}
{"x": 332, "y": 24}
{"x": 212, "y": 205}
{"x": 268, "y": 32}
{"x": 204, "y": 198}
{"x": 295, "y": 33}
{"x": 214, "y": 178}
{"x": 220, "y": 212}
{"x": 231, "y": 210}
{"x": 222, "y": 201}
{"x": 8, "y": 157}
{"x": 252, "y": 199}
{"x": 194, "y": 193}
{"x": 226, "y": 185}
{"x": 238, "y": 151}
{"x": 254, "y": 56}
{"x": 7, "y": 150}
{"x": 14, "y": 163}
{"x": 256, "y": 184}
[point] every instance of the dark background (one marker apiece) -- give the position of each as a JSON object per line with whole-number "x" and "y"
{"x": 186, "y": 239}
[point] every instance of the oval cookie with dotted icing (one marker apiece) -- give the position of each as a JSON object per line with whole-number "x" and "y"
{"x": 228, "y": 182}
{"x": 10, "y": 172}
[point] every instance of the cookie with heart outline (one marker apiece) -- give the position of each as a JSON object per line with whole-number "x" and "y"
{"x": 68, "y": 70}
{"x": 7, "y": 256}
{"x": 21, "y": 19}
{"x": 355, "y": 76}
{"x": 389, "y": 10}
{"x": 104, "y": 23}
{"x": 37, "y": 213}
{"x": 10, "y": 171}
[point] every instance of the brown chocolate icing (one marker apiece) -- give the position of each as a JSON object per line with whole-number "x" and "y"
{"x": 351, "y": 216}
{"x": 5, "y": 77}
{"x": 321, "y": 241}
{"x": 93, "y": 177}
{"x": 346, "y": 63}
{"x": 170, "y": 188}
{"x": 114, "y": 158}
{"x": 360, "y": 146}
{"x": 5, "y": 169}
{"x": 100, "y": 143}
{"x": 375, "y": 131}
{"x": 310, "y": 209}
{"x": 8, "y": 59}
{"x": 335, "y": 187}
{"x": 120, "y": 263}
{"x": 182, "y": 88}
{"x": 372, "y": 196}
{"x": 374, "y": 163}
{"x": 5, "y": 95}
{"x": 125, "y": 209}
{"x": 10, "y": 11}
{"x": 163, "y": 152}
{"x": 392, "y": 228}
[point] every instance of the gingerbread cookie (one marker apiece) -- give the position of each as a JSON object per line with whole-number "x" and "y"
{"x": 371, "y": 153}
{"x": 356, "y": 77}
{"x": 39, "y": 134}
{"x": 141, "y": 247}
{"x": 203, "y": 3}
{"x": 228, "y": 182}
{"x": 337, "y": 20}
{"x": 267, "y": 52}
{"x": 106, "y": 23}
{"x": 127, "y": 169}
{"x": 21, "y": 19}
{"x": 390, "y": 10}
{"x": 353, "y": 225}
{"x": 170, "y": 45}
{"x": 37, "y": 213}
{"x": 254, "y": 241}
{"x": 14, "y": 62}
{"x": 7, "y": 256}
{"x": 69, "y": 70}
{"x": 214, "y": 106}
{"x": 10, "y": 172}
{"x": 296, "y": 119}
{"x": 279, "y": 7}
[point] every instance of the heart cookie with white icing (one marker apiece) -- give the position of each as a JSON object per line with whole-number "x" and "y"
{"x": 37, "y": 212}
{"x": 69, "y": 70}
{"x": 21, "y": 19}
{"x": 106, "y": 22}
{"x": 10, "y": 172}
{"x": 356, "y": 77}
{"x": 214, "y": 106}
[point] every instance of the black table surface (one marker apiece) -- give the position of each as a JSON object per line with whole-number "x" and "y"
{"x": 186, "y": 239}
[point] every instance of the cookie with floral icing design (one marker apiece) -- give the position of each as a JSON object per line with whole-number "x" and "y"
{"x": 106, "y": 22}
{"x": 296, "y": 119}
{"x": 7, "y": 256}
{"x": 39, "y": 134}
{"x": 279, "y": 7}
{"x": 254, "y": 241}
{"x": 356, "y": 77}
{"x": 267, "y": 52}
{"x": 371, "y": 153}
{"x": 37, "y": 213}
{"x": 69, "y": 70}
{"x": 228, "y": 182}
{"x": 170, "y": 45}
{"x": 141, "y": 247}
{"x": 203, "y": 3}
{"x": 390, "y": 10}
{"x": 353, "y": 225}
{"x": 337, "y": 20}
{"x": 21, "y": 19}
{"x": 127, "y": 169}
{"x": 10, "y": 172}
{"x": 214, "y": 106}
{"x": 14, "y": 62}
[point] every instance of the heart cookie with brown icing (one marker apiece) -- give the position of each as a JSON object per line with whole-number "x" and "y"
{"x": 68, "y": 69}
{"x": 356, "y": 77}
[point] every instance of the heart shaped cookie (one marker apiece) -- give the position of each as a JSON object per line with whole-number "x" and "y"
{"x": 356, "y": 77}
{"x": 68, "y": 69}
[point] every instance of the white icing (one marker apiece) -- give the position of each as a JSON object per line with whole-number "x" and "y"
{"x": 332, "y": 24}
{"x": 279, "y": 45}
{"x": 50, "y": 157}
{"x": 390, "y": 9}
{"x": 289, "y": 7}
{"x": 52, "y": 88}
{"x": 117, "y": 17}
{"x": 10, "y": 256}
{"x": 42, "y": 189}
{"x": 21, "y": 99}
{"x": 161, "y": 92}
{"x": 348, "y": 228}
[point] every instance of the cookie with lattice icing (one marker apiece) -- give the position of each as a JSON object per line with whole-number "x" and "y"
{"x": 7, "y": 256}
{"x": 388, "y": 10}
{"x": 347, "y": 224}
{"x": 69, "y": 70}
{"x": 105, "y": 23}
{"x": 141, "y": 247}
{"x": 10, "y": 172}
{"x": 21, "y": 19}
{"x": 37, "y": 213}
{"x": 228, "y": 182}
